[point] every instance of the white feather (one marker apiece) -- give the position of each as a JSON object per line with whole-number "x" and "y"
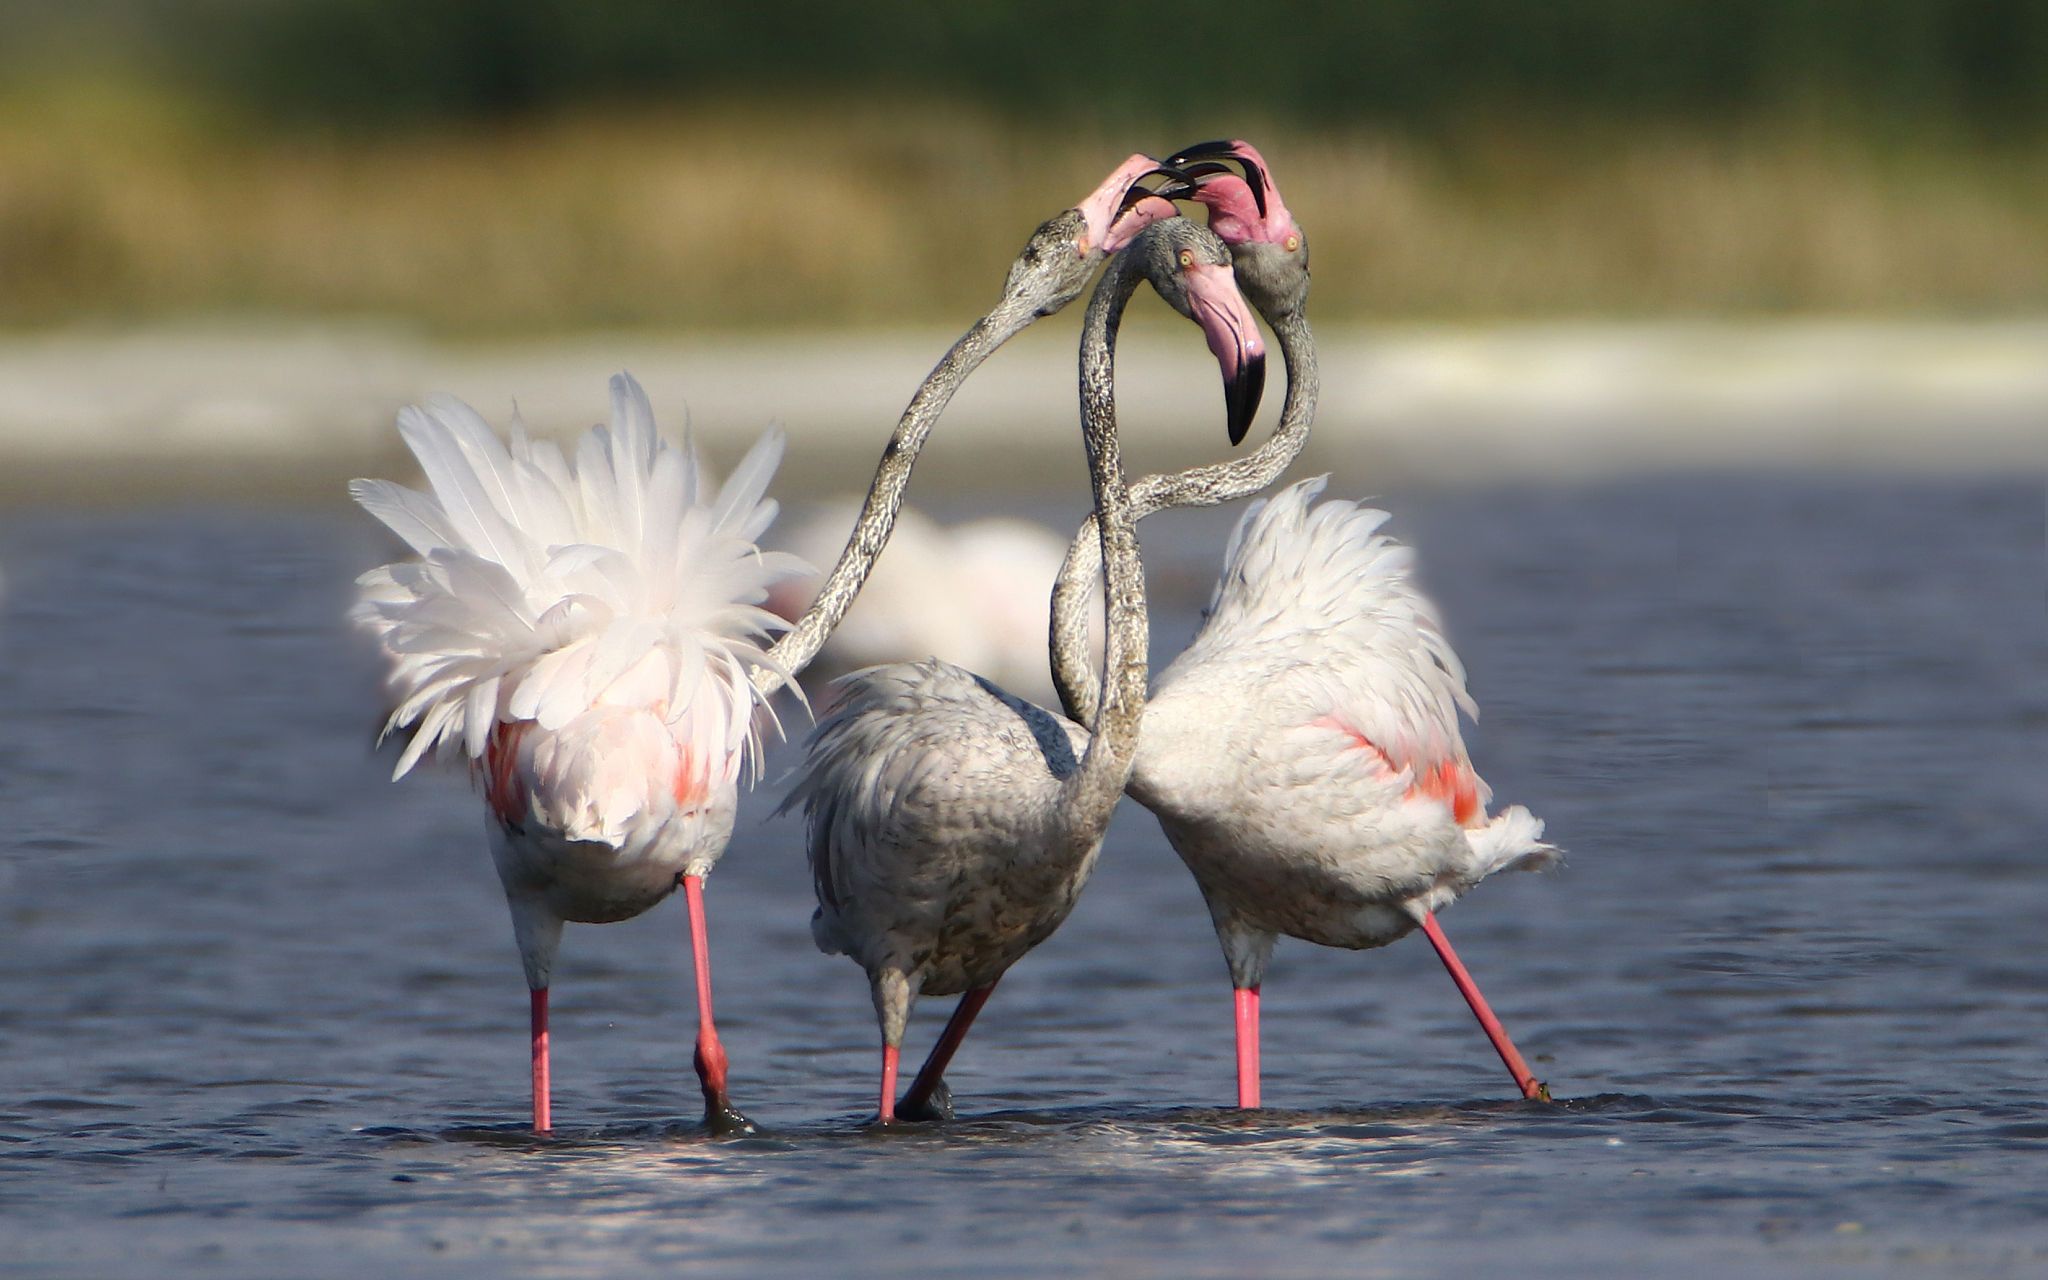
{"x": 549, "y": 587}
{"x": 1304, "y": 753}
{"x": 1321, "y": 583}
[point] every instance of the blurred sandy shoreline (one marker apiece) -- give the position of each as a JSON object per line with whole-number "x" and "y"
{"x": 114, "y": 416}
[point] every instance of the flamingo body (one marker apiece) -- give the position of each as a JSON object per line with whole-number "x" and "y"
{"x": 584, "y": 630}
{"x": 932, "y": 798}
{"x": 1336, "y": 803}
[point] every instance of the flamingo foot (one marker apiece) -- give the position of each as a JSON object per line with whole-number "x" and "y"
{"x": 1532, "y": 1088}
{"x": 721, "y": 1118}
{"x": 722, "y": 1121}
{"x": 929, "y": 1098}
{"x": 935, "y": 1104}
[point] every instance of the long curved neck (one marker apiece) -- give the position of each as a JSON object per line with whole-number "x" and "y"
{"x": 1204, "y": 486}
{"x": 1090, "y": 793}
{"x": 794, "y": 651}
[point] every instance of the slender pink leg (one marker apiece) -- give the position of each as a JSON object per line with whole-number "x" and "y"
{"x": 1247, "y": 1047}
{"x": 710, "y": 1058}
{"x": 917, "y": 1102}
{"x": 888, "y": 1084}
{"x": 542, "y": 1119}
{"x": 1531, "y": 1087}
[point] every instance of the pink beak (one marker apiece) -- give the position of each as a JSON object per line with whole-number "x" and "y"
{"x": 1137, "y": 215}
{"x": 1101, "y": 210}
{"x": 1243, "y": 209}
{"x": 1233, "y": 214}
{"x": 1233, "y": 339}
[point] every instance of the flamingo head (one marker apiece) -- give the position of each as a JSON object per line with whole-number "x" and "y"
{"x": 1246, "y": 211}
{"x": 1190, "y": 267}
{"x": 1062, "y": 254}
{"x": 1115, "y": 212}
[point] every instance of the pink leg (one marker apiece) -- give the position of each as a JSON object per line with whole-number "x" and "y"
{"x": 888, "y": 1110}
{"x": 710, "y": 1059}
{"x": 1247, "y": 1047}
{"x": 1531, "y": 1087}
{"x": 917, "y": 1103}
{"x": 542, "y": 1119}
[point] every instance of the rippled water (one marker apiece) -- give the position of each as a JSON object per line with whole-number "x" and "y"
{"x": 262, "y": 1015}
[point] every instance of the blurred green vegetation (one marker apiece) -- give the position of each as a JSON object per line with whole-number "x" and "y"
{"x": 1412, "y": 61}
{"x": 491, "y": 166}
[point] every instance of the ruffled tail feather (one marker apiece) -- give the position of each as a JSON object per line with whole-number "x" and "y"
{"x": 1512, "y": 840}
{"x": 549, "y": 586}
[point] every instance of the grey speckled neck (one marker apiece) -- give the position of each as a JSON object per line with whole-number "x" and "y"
{"x": 1050, "y": 272}
{"x": 1090, "y": 795}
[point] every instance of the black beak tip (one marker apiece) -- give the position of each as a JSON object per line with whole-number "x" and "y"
{"x": 1205, "y": 157}
{"x": 1255, "y": 178}
{"x": 1178, "y": 186}
{"x": 1242, "y": 394}
{"x": 1201, "y": 151}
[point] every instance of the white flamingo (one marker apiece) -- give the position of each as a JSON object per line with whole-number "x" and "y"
{"x": 951, "y": 825}
{"x": 1303, "y": 755}
{"x": 584, "y": 630}
{"x": 1336, "y": 802}
{"x": 589, "y": 634}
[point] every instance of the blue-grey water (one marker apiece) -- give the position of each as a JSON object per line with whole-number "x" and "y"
{"x": 260, "y": 1012}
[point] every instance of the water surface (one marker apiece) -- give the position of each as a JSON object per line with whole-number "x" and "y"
{"x": 262, "y": 1014}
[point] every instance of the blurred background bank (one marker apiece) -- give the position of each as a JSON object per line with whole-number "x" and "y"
{"x": 1573, "y": 238}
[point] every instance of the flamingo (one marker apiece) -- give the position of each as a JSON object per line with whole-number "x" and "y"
{"x": 1335, "y": 802}
{"x": 950, "y": 824}
{"x": 1303, "y": 755}
{"x": 583, "y": 630}
{"x": 590, "y": 635}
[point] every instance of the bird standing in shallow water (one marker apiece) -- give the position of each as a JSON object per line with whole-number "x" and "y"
{"x": 950, "y": 825}
{"x": 1303, "y": 755}
{"x": 584, "y": 631}
{"x": 1304, "y": 758}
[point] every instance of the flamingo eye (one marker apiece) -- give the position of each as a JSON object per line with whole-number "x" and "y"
{"x": 1187, "y": 257}
{"x": 1293, "y": 243}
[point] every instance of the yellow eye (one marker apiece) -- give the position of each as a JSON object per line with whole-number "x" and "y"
{"x": 1187, "y": 257}
{"x": 1293, "y": 243}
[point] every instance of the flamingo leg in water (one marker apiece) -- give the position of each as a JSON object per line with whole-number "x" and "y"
{"x": 1531, "y": 1087}
{"x": 719, "y": 1116}
{"x": 1247, "y": 1046}
{"x": 923, "y": 1101}
{"x": 542, "y": 1118}
{"x": 888, "y": 1108}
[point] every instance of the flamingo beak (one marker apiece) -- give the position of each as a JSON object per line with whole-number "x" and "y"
{"x": 1111, "y": 206}
{"x": 1142, "y": 214}
{"x": 1177, "y": 187}
{"x": 1223, "y": 149}
{"x": 1233, "y": 338}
